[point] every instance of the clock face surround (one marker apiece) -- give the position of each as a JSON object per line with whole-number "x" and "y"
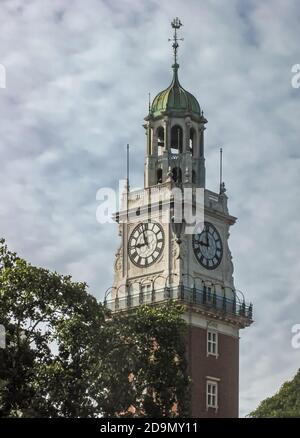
{"x": 207, "y": 246}
{"x": 146, "y": 244}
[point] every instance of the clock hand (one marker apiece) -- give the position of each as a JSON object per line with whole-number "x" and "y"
{"x": 140, "y": 245}
{"x": 145, "y": 237}
{"x": 207, "y": 239}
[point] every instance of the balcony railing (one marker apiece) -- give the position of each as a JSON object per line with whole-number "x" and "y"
{"x": 205, "y": 298}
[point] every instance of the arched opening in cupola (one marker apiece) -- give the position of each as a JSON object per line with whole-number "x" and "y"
{"x": 192, "y": 142}
{"x": 201, "y": 143}
{"x": 160, "y": 133}
{"x": 193, "y": 177}
{"x": 176, "y": 139}
{"x": 159, "y": 176}
{"x": 177, "y": 174}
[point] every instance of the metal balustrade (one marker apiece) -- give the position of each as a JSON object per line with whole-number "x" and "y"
{"x": 206, "y": 298}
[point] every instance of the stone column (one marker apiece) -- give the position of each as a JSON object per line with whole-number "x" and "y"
{"x": 167, "y": 133}
{"x": 188, "y": 125}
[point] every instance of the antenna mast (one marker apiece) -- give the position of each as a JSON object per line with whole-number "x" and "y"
{"x": 222, "y": 184}
{"x": 127, "y": 181}
{"x": 221, "y": 168}
{"x": 127, "y": 170}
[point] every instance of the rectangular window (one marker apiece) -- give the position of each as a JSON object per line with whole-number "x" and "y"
{"x": 212, "y": 394}
{"x": 146, "y": 290}
{"x": 208, "y": 294}
{"x": 212, "y": 343}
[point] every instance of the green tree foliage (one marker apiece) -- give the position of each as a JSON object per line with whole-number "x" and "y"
{"x": 149, "y": 343}
{"x": 66, "y": 355}
{"x": 284, "y": 404}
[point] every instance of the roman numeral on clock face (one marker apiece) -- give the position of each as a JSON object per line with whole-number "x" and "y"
{"x": 207, "y": 246}
{"x": 146, "y": 244}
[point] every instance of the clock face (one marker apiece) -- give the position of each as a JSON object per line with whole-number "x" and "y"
{"x": 146, "y": 244}
{"x": 207, "y": 246}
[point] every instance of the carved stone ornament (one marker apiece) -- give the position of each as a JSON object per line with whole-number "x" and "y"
{"x": 229, "y": 265}
{"x": 118, "y": 261}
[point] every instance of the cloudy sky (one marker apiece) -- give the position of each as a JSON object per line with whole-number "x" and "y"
{"x": 78, "y": 77}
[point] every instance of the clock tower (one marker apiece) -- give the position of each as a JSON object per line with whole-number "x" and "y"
{"x": 158, "y": 259}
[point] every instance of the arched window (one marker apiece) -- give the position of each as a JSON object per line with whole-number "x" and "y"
{"x": 177, "y": 174}
{"x": 176, "y": 139}
{"x": 159, "y": 176}
{"x": 192, "y": 141}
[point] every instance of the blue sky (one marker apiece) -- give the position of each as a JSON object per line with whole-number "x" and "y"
{"x": 78, "y": 77}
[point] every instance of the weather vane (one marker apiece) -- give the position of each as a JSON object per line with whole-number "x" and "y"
{"x": 176, "y": 24}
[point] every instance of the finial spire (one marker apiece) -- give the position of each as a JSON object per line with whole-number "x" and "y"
{"x": 176, "y": 24}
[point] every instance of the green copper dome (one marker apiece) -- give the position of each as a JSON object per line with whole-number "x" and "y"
{"x": 174, "y": 99}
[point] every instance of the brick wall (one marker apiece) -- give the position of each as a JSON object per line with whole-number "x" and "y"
{"x": 225, "y": 368}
